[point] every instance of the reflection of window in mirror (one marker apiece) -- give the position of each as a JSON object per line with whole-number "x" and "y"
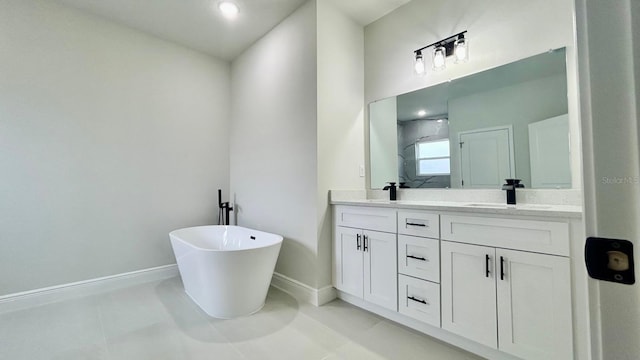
{"x": 432, "y": 158}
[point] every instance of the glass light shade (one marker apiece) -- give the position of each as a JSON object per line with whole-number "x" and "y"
{"x": 439, "y": 58}
{"x": 418, "y": 65}
{"x": 461, "y": 50}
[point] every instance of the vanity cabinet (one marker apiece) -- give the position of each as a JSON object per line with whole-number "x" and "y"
{"x": 500, "y": 282}
{"x": 364, "y": 259}
{"x": 515, "y": 301}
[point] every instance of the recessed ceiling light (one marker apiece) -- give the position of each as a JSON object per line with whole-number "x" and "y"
{"x": 229, "y": 9}
{"x": 422, "y": 113}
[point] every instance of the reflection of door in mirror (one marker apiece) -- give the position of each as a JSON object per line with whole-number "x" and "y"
{"x": 383, "y": 142}
{"x": 486, "y": 157}
{"x": 549, "y": 152}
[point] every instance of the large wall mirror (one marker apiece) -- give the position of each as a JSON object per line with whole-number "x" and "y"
{"x": 476, "y": 131}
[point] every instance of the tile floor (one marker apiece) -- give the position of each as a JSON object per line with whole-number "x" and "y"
{"x": 158, "y": 321}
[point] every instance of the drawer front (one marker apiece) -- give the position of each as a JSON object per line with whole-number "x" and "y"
{"x": 419, "y": 257}
{"x": 418, "y": 223}
{"x": 419, "y": 299}
{"x": 363, "y": 217}
{"x": 548, "y": 237}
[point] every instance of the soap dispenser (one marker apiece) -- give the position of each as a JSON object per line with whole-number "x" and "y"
{"x": 392, "y": 190}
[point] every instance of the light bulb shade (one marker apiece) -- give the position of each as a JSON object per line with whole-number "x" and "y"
{"x": 439, "y": 58}
{"x": 418, "y": 64}
{"x": 461, "y": 50}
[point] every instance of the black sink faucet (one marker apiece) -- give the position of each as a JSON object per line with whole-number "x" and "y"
{"x": 510, "y": 187}
{"x": 392, "y": 190}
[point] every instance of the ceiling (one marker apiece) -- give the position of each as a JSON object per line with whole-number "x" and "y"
{"x": 197, "y": 23}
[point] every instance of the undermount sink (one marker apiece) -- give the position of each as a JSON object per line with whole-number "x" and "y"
{"x": 505, "y": 206}
{"x": 497, "y": 206}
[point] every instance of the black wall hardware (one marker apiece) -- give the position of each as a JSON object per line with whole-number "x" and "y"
{"x": 610, "y": 260}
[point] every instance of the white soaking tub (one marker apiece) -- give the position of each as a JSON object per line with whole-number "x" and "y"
{"x": 226, "y": 270}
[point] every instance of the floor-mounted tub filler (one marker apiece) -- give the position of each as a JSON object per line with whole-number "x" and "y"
{"x": 226, "y": 270}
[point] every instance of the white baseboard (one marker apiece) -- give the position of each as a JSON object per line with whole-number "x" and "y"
{"x": 37, "y": 297}
{"x": 303, "y": 292}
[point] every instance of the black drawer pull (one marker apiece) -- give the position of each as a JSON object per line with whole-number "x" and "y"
{"x": 358, "y": 246}
{"x": 417, "y": 258}
{"x": 416, "y": 224}
{"x": 417, "y": 300}
{"x": 486, "y": 264}
{"x": 501, "y": 268}
{"x": 364, "y": 240}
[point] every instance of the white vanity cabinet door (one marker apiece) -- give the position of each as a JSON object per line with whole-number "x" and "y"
{"x": 534, "y": 305}
{"x": 348, "y": 260}
{"x": 380, "y": 269}
{"x": 469, "y": 291}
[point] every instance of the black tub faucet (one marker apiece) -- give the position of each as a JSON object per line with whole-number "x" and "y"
{"x": 510, "y": 187}
{"x": 392, "y": 190}
{"x": 223, "y": 210}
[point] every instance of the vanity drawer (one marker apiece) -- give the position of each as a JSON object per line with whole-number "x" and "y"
{"x": 363, "y": 217}
{"x": 419, "y": 299}
{"x": 549, "y": 237}
{"x": 419, "y": 223}
{"x": 419, "y": 257}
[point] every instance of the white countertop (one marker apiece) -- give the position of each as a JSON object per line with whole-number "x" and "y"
{"x": 566, "y": 211}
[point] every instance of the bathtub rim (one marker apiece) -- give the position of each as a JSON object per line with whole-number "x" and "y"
{"x": 173, "y": 236}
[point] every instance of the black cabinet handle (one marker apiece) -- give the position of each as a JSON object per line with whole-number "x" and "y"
{"x": 417, "y": 258}
{"x": 501, "y": 268}
{"x": 366, "y": 247}
{"x": 416, "y": 224}
{"x": 358, "y": 246}
{"x": 417, "y": 300}
{"x": 486, "y": 264}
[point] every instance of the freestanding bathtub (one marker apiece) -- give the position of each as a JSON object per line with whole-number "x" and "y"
{"x": 226, "y": 270}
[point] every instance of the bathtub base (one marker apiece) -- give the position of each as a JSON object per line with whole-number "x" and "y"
{"x": 224, "y": 316}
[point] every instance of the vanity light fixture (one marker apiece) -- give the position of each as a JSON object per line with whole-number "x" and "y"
{"x": 456, "y": 45}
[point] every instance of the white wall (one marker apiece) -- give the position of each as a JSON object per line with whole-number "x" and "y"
{"x": 340, "y": 117}
{"x": 109, "y": 139}
{"x": 499, "y": 32}
{"x": 273, "y": 140}
{"x": 297, "y": 132}
{"x": 609, "y": 35}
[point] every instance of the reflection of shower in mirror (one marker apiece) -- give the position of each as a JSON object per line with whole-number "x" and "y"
{"x": 411, "y": 135}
